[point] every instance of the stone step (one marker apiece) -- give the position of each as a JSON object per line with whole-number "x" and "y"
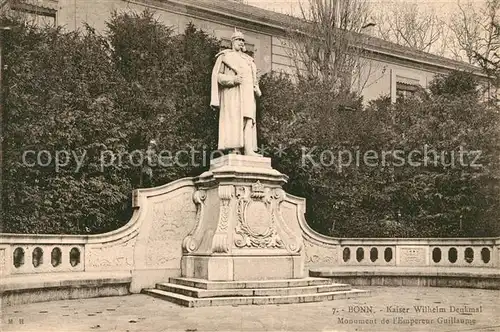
{"x": 188, "y": 301}
{"x": 253, "y": 284}
{"x": 203, "y": 293}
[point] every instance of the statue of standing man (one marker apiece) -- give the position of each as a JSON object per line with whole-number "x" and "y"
{"x": 234, "y": 87}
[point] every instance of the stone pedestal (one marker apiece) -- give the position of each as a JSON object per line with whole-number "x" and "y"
{"x": 240, "y": 232}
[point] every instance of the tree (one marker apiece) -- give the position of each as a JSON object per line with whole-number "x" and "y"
{"x": 168, "y": 90}
{"x": 407, "y": 24}
{"x": 325, "y": 46}
{"x": 62, "y": 99}
{"x": 476, "y": 35}
{"x": 83, "y": 94}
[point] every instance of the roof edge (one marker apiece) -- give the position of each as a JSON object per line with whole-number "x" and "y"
{"x": 369, "y": 43}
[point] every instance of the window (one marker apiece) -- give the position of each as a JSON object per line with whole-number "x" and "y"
{"x": 406, "y": 87}
{"x": 40, "y": 15}
{"x": 405, "y": 90}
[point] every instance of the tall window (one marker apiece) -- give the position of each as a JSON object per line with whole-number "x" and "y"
{"x": 37, "y": 13}
{"x": 406, "y": 87}
{"x": 405, "y": 90}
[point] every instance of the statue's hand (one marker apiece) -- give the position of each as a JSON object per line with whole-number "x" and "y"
{"x": 238, "y": 79}
{"x": 257, "y": 91}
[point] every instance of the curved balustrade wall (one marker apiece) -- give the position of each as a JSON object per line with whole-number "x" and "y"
{"x": 148, "y": 249}
{"x": 321, "y": 250}
{"x": 141, "y": 244}
{"x": 404, "y": 252}
{"x": 433, "y": 252}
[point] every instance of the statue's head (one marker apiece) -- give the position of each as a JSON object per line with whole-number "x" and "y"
{"x": 238, "y": 40}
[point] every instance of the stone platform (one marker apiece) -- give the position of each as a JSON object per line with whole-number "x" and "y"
{"x": 16, "y": 290}
{"x": 192, "y": 292}
{"x": 460, "y": 277}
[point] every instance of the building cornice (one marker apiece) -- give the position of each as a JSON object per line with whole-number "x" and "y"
{"x": 226, "y": 12}
{"x": 199, "y": 12}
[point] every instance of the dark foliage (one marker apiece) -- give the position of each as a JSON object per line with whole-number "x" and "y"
{"x": 143, "y": 88}
{"x": 95, "y": 96}
{"x": 437, "y": 196}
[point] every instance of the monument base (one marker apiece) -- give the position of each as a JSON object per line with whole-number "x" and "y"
{"x": 246, "y": 246}
{"x": 240, "y": 231}
{"x": 239, "y": 268}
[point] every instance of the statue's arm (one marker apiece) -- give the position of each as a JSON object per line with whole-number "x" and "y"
{"x": 224, "y": 79}
{"x": 256, "y": 87}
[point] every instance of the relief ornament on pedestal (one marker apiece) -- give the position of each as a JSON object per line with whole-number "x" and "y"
{"x": 192, "y": 241}
{"x": 256, "y": 224}
{"x": 220, "y": 242}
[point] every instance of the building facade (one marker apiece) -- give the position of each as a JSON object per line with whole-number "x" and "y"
{"x": 388, "y": 70}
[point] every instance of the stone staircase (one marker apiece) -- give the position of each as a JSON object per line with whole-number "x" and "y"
{"x": 191, "y": 292}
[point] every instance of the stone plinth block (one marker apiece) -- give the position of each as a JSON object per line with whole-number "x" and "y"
{"x": 240, "y": 232}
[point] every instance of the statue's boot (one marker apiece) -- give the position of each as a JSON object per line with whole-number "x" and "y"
{"x": 252, "y": 153}
{"x": 248, "y": 142}
{"x": 234, "y": 151}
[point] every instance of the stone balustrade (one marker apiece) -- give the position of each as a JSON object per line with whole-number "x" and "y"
{"x": 435, "y": 262}
{"x": 420, "y": 252}
{"x": 459, "y": 252}
{"x": 452, "y": 252}
{"x": 116, "y": 251}
{"x": 46, "y": 258}
{"x": 41, "y": 254}
{"x": 27, "y": 254}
